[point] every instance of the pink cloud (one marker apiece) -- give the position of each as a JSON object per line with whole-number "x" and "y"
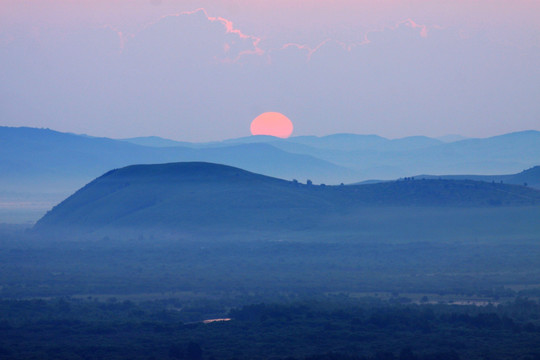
{"x": 230, "y": 29}
{"x": 219, "y": 43}
{"x": 349, "y": 46}
{"x": 121, "y": 37}
{"x": 410, "y": 23}
{"x": 309, "y": 50}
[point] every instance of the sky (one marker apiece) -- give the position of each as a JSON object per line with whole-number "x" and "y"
{"x": 203, "y": 70}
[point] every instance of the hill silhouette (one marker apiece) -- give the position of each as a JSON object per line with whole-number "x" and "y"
{"x": 199, "y": 196}
{"x": 529, "y": 177}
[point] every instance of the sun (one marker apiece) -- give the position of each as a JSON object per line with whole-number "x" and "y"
{"x": 272, "y": 123}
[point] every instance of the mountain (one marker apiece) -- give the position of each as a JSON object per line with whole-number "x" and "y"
{"x": 179, "y": 194}
{"x": 451, "y": 138}
{"x": 156, "y": 141}
{"x": 43, "y": 160}
{"x": 39, "y": 164}
{"x": 204, "y": 196}
{"x": 387, "y": 159}
{"x": 529, "y": 177}
{"x": 372, "y": 156}
{"x": 340, "y": 142}
{"x": 354, "y": 142}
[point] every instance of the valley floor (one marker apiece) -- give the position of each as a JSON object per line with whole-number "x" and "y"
{"x": 437, "y": 284}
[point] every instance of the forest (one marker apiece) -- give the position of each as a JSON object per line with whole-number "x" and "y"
{"x": 311, "y": 295}
{"x": 326, "y": 328}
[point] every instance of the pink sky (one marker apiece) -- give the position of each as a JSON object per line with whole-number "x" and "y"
{"x": 267, "y": 18}
{"x": 394, "y": 68}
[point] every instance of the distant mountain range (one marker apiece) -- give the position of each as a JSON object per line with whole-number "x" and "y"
{"x": 372, "y": 156}
{"x": 42, "y": 163}
{"x": 203, "y": 196}
{"x": 49, "y": 161}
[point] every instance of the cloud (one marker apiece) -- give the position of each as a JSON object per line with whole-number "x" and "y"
{"x": 293, "y": 53}
{"x": 410, "y": 23}
{"x": 192, "y": 38}
{"x": 338, "y": 49}
{"x": 230, "y": 29}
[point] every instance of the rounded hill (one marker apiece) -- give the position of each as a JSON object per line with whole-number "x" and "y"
{"x": 205, "y": 196}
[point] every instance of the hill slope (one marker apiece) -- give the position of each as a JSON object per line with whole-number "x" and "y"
{"x": 199, "y": 196}
{"x": 529, "y": 177}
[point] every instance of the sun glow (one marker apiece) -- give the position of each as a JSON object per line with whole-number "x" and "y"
{"x": 272, "y": 123}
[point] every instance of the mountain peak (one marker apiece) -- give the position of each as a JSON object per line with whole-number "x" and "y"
{"x": 176, "y": 171}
